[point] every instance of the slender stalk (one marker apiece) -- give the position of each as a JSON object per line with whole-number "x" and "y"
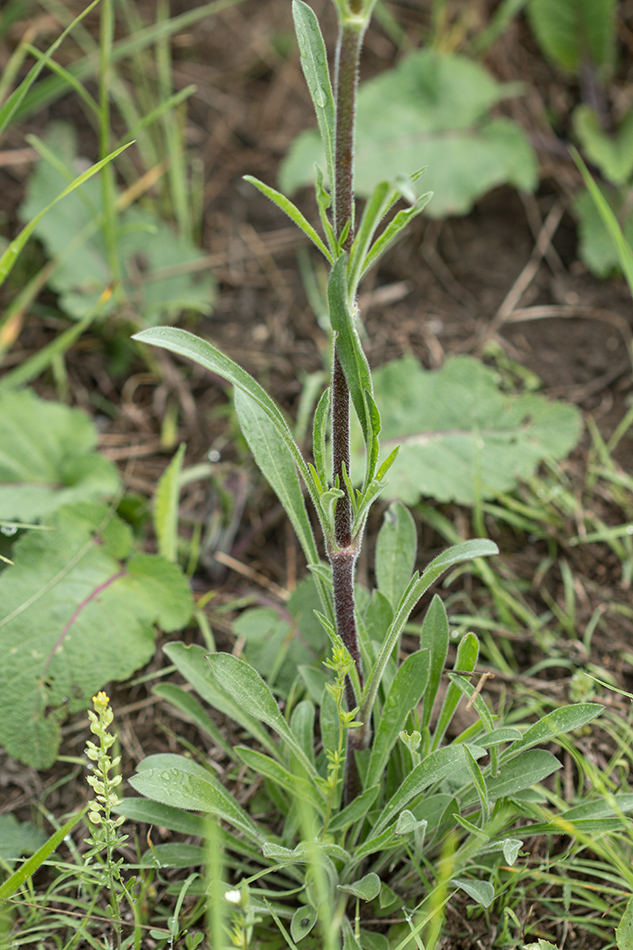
{"x": 341, "y": 451}
{"x": 343, "y": 557}
{"x": 347, "y": 60}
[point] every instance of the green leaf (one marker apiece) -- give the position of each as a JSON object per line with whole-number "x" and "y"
{"x": 480, "y": 785}
{"x": 286, "y": 205}
{"x": 189, "y": 705}
{"x": 604, "y": 242}
{"x": 158, "y": 266}
{"x": 174, "y": 855}
{"x": 303, "y": 920}
{"x": 162, "y": 816}
{"x": 304, "y": 852}
{"x": 418, "y": 586}
{"x": 511, "y": 848}
{"x": 317, "y": 75}
{"x": 408, "y": 824}
{"x": 208, "y": 356}
{"x": 302, "y": 725}
{"x": 431, "y": 110}
{"x": 482, "y": 892}
{"x": 396, "y": 550}
{"x": 277, "y": 642}
{"x": 619, "y": 803}
{"x": 176, "y": 819}
{"x": 460, "y": 437}
{"x": 393, "y": 230}
{"x": 524, "y": 770}
{"x": 574, "y": 33}
{"x": 356, "y": 810}
{"x": 557, "y": 723}
{"x": 466, "y": 660}
{"x": 166, "y": 507}
{"x": 250, "y": 692}
{"x": 277, "y": 464}
{"x": 265, "y": 766}
{"x": 182, "y": 783}
{"x": 367, "y": 888}
{"x": 432, "y": 769}
{"x": 18, "y": 838}
{"x": 47, "y": 458}
{"x": 435, "y": 637}
{"x": 319, "y": 433}
{"x": 407, "y": 688}
{"x": 612, "y": 154}
{"x": 624, "y": 933}
{"x": 546, "y": 945}
{"x": 78, "y": 612}
{"x": 383, "y": 197}
{"x": 349, "y": 938}
{"x": 192, "y": 663}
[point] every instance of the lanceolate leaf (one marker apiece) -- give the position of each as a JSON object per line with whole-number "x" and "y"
{"x": 285, "y": 205}
{"x": 480, "y": 785}
{"x": 276, "y": 463}
{"x": 466, "y": 660}
{"x": 28, "y": 869}
{"x": 166, "y": 507}
{"x": 293, "y": 784}
{"x": 206, "y": 355}
{"x": 317, "y": 74}
{"x": 434, "y": 637}
{"x": 433, "y": 768}
{"x": 519, "y": 773}
{"x": 249, "y": 690}
{"x": 396, "y": 550}
{"x": 182, "y": 783}
{"x": 78, "y": 610}
{"x": 319, "y": 431}
{"x": 382, "y": 199}
{"x": 192, "y": 663}
{"x": 395, "y": 227}
{"x": 557, "y": 723}
{"x": 454, "y": 555}
{"x": 407, "y": 688}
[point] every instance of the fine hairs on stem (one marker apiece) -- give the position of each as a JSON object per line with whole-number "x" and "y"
{"x": 343, "y": 560}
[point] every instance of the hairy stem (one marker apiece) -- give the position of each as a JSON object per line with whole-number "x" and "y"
{"x": 341, "y": 452}
{"x": 343, "y": 558}
{"x": 347, "y": 59}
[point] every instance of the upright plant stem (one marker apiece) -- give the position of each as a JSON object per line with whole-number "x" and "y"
{"x": 343, "y": 558}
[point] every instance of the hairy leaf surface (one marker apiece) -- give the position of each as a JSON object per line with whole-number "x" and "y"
{"x": 79, "y": 609}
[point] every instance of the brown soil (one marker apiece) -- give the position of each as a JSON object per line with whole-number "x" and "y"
{"x": 448, "y": 287}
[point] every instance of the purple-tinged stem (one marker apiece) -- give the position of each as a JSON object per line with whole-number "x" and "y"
{"x": 344, "y": 554}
